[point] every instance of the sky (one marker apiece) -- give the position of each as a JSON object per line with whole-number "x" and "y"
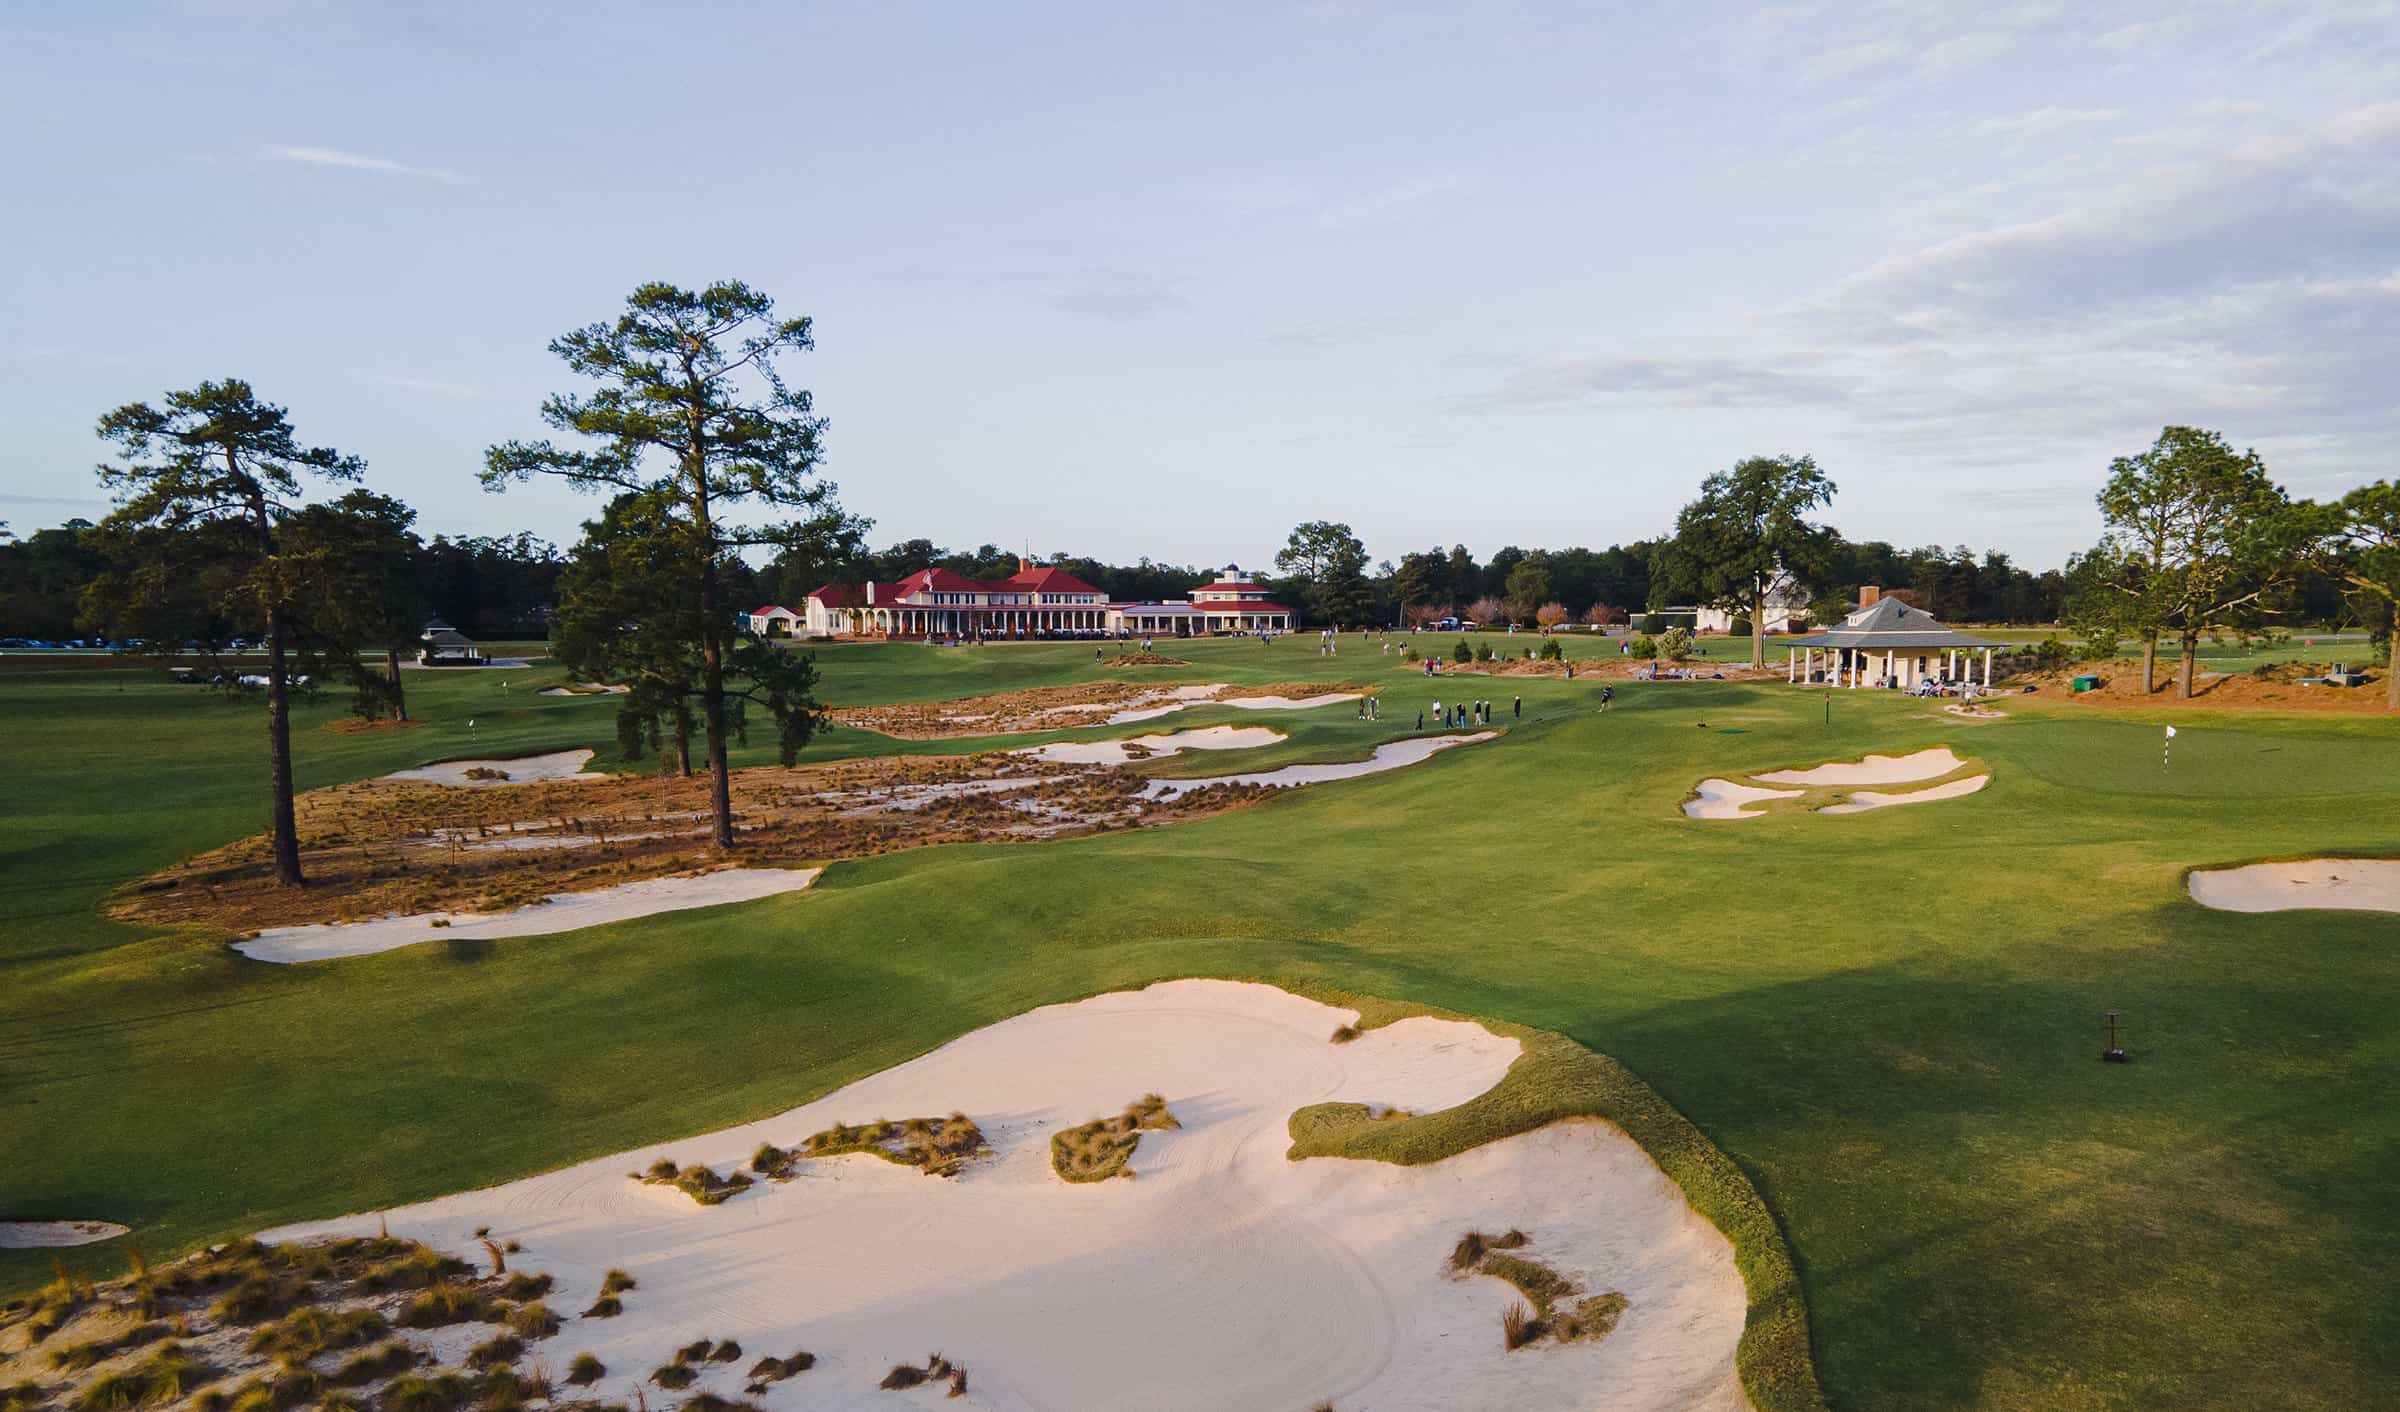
{"x": 1121, "y": 280}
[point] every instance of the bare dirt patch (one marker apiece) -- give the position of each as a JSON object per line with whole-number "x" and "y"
{"x": 2275, "y": 687}
{"x": 387, "y": 846}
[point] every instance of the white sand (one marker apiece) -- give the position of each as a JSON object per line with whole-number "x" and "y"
{"x": 1225, "y": 1277}
{"x": 2348, "y": 884}
{"x": 1390, "y": 755}
{"x": 45, "y": 1235}
{"x": 1723, "y": 799}
{"x": 586, "y": 688}
{"x": 563, "y": 912}
{"x": 1114, "y": 752}
{"x": 1186, "y": 696}
{"x": 1866, "y": 799}
{"x": 1875, "y": 769}
{"x": 525, "y": 769}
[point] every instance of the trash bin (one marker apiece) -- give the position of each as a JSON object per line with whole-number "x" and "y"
{"x": 2084, "y": 683}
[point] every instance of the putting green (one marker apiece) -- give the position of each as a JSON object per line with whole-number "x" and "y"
{"x": 1892, "y": 1027}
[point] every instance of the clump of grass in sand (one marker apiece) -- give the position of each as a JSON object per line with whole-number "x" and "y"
{"x": 495, "y": 1351}
{"x": 701, "y": 1184}
{"x": 444, "y": 1303}
{"x": 484, "y": 772}
{"x": 941, "y": 1147}
{"x": 616, "y": 1281}
{"x": 386, "y": 1361}
{"x": 259, "y": 1296}
{"x": 1544, "y": 1289}
{"x": 417, "y": 1269}
{"x": 24, "y": 1397}
{"x": 710, "y": 1402}
{"x": 1343, "y": 1034}
{"x": 305, "y": 1333}
{"x": 439, "y": 1392}
{"x": 532, "y": 1321}
{"x": 674, "y": 1377}
{"x": 585, "y": 1370}
{"x": 775, "y": 1370}
{"x": 607, "y": 1306}
{"x": 76, "y": 1357}
{"x": 773, "y": 1161}
{"x": 522, "y": 1287}
{"x": 1102, "y": 1148}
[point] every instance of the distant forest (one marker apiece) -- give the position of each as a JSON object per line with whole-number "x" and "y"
{"x": 506, "y": 587}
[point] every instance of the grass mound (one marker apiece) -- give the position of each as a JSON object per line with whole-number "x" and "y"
{"x": 1102, "y": 1148}
{"x": 701, "y": 1184}
{"x": 940, "y": 1147}
{"x": 1556, "y": 1079}
{"x": 1544, "y": 1312}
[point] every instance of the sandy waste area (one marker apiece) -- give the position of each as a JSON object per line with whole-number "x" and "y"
{"x": 524, "y": 769}
{"x": 2349, "y": 884}
{"x": 1391, "y": 755}
{"x": 1225, "y": 1276}
{"x": 560, "y": 912}
{"x": 47, "y": 1235}
{"x": 1150, "y": 747}
{"x": 1095, "y": 703}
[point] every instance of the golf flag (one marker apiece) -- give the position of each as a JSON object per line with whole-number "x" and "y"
{"x": 2166, "y": 748}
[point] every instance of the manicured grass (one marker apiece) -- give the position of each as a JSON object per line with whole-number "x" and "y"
{"x": 1889, "y": 1021}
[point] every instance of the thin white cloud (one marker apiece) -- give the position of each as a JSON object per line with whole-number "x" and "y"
{"x": 352, "y": 161}
{"x": 1377, "y": 204}
{"x": 2047, "y": 122}
{"x": 1851, "y": 58}
{"x": 435, "y": 386}
{"x": 1966, "y": 49}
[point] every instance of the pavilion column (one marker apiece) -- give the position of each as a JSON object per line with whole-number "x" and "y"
{"x": 1987, "y": 669}
{"x": 1791, "y": 664}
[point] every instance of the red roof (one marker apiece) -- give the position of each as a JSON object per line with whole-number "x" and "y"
{"x": 1048, "y": 580}
{"x": 840, "y": 595}
{"x": 771, "y": 608}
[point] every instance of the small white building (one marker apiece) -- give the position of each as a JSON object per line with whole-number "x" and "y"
{"x": 1786, "y": 611}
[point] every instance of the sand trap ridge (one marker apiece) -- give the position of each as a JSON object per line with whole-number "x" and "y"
{"x": 565, "y": 911}
{"x": 1866, "y": 799}
{"x": 1723, "y": 799}
{"x": 1875, "y": 769}
{"x": 1226, "y": 1276}
{"x": 1390, "y": 755}
{"x": 1119, "y": 752}
{"x": 2345, "y": 884}
{"x": 45, "y": 1235}
{"x": 524, "y": 769}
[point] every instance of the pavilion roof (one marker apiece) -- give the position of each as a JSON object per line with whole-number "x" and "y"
{"x": 1893, "y": 625}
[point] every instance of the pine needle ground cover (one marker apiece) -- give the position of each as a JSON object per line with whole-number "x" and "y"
{"x": 1890, "y": 1022}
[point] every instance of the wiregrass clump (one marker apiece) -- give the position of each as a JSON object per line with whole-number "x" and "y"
{"x": 1103, "y": 1147}
{"x": 1544, "y": 1289}
{"x": 940, "y": 1147}
{"x": 775, "y": 1370}
{"x": 385, "y": 1361}
{"x": 701, "y": 1184}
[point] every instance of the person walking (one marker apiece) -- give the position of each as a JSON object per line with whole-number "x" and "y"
{"x": 1607, "y": 694}
{"x": 1420, "y": 721}
{"x": 1517, "y": 708}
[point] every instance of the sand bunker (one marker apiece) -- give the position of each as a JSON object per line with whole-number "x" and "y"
{"x": 1390, "y": 755}
{"x": 45, "y": 1235}
{"x": 586, "y": 688}
{"x": 1239, "y": 703}
{"x": 1723, "y": 799}
{"x": 1147, "y": 747}
{"x": 1875, "y": 769}
{"x": 525, "y": 769}
{"x": 2345, "y": 884}
{"x": 1225, "y": 1276}
{"x": 563, "y": 912}
{"x": 1866, "y": 799}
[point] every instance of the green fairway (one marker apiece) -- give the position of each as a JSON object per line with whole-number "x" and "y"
{"x": 1891, "y": 1020}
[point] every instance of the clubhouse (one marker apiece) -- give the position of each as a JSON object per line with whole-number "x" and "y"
{"x": 1035, "y": 602}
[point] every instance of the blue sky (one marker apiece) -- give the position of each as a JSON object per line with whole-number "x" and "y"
{"x": 1127, "y": 279}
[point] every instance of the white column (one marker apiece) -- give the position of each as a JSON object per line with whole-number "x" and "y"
{"x": 1791, "y": 665}
{"x": 1987, "y": 669}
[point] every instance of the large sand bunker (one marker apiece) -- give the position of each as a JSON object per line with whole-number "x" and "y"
{"x": 1226, "y": 1276}
{"x": 1095, "y": 703}
{"x": 1390, "y": 755}
{"x": 1874, "y": 769}
{"x": 2346, "y": 884}
{"x": 560, "y": 912}
{"x": 524, "y": 769}
{"x": 1148, "y": 747}
{"x": 1833, "y": 788}
{"x": 47, "y": 1235}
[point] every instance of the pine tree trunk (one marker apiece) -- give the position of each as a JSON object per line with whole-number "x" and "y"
{"x": 286, "y": 826}
{"x": 391, "y": 662}
{"x": 683, "y": 741}
{"x": 2149, "y": 665}
{"x": 2183, "y": 678}
{"x": 2391, "y": 666}
{"x": 1758, "y": 630}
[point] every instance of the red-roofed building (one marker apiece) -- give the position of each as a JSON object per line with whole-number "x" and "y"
{"x": 1035, "y": 601}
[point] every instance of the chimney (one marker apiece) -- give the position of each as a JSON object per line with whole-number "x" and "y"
{"x": 1024, "y": 565}
{"x": 1869, "y": 595}
{"x": 870, "y": 590}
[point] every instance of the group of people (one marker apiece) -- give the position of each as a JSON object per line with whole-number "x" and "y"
{"x": 1468, "y": 713}
{"x": 1325, "y": 643}
{"x": 1369, "y": 707}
